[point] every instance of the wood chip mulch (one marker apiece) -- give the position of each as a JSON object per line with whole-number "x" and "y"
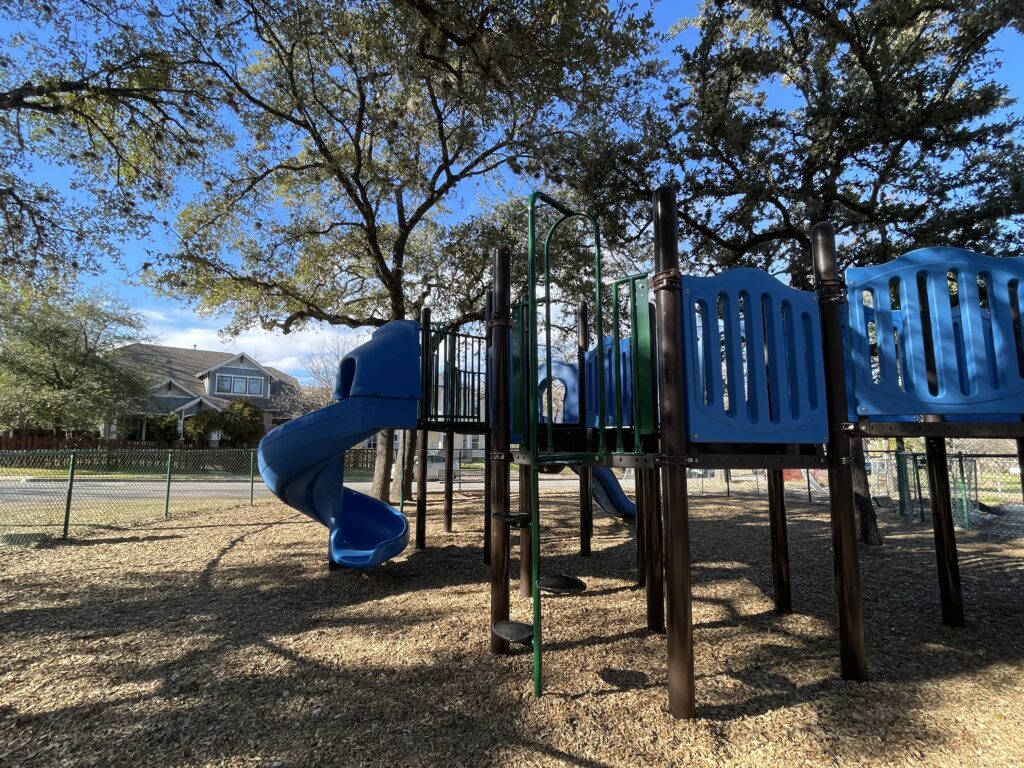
{"x": 222, "y": 640}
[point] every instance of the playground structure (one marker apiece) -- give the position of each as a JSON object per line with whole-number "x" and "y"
{"x": 928, "y": 345}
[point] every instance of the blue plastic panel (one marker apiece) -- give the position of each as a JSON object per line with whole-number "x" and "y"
{"x": 593, "y": 367}
{"x": 566, "y": 374}
{"x": 753, "y": 362}
{"x": 385, "y": 366}
{"x": 936, "y": 331}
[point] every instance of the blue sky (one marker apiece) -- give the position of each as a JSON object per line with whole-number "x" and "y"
{"x": 174, "y": 324}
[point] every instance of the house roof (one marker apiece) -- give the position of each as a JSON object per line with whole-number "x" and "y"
{"x": 159, "y": 364}
{"x": 213, "y": 402}
{"x": 241, "y": 357}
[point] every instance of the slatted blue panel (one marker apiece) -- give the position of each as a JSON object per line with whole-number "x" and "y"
{"x": 593, "y": 365}
{"x": 753, "y": 363}
{"x": 936, "y": 331}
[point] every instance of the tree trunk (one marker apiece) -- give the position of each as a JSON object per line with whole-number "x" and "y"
{"x": 382, "y": 466}
{"x": 407, "y": 444}
{"x": 869, "y": 533}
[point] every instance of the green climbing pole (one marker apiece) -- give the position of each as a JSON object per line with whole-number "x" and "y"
{"x": 535, "y": 312}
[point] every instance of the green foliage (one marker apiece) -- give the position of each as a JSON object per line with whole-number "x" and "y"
{"x": 162, "y": 429}
{"x": 879, "y": 115}
{"x": 242, "y": 424}
{"x": 58, "y": 367}
{"x": 103, "y": 90}
{"x": 197, "y": 428}
{"x": 359, "y": 127}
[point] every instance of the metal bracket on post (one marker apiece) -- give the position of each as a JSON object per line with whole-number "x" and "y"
{"x": 666, "y": 279}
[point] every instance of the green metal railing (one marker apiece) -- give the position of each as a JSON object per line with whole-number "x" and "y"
{"x": 641, "y": 369}
{"x": 526, "y": 398}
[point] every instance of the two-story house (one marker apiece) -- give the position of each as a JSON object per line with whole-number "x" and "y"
{"x": 183, "y": 382}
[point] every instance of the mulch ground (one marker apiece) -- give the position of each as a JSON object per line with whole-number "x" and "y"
{"x": 222, "y": 640}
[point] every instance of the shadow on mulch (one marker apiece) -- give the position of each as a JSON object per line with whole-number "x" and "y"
{"x": 259, "y": 673}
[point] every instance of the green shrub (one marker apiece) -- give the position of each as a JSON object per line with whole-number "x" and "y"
{"x": 197, "y": 428}
{"x": 242, "y": 423}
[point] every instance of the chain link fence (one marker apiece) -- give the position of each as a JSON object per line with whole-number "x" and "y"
{"x": 985, "y": 489}
{"x": 56, "y": 494}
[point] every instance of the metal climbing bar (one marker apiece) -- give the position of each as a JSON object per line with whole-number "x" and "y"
{"x": 542, "y": 273}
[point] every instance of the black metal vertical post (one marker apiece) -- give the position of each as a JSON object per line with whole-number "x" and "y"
{"x": 655, "y": 557}
{"x": 501, "y": 328}
{"x": 917, "y": 483}
{"x": 488, "y": 312}
{"x": 668, "y": 322}
{"x": 426, "y": 370}
{"x": 945, "y": 535}
{"x": 831, "y": 294}
{"x": 1020, "y": 463}
{"x": 643, "y": 512}
{"x": 586, "y": 474}
{"x": 780, "y": 541}
{"x": 525, "y": 550}
{"x": 449, "y": 476}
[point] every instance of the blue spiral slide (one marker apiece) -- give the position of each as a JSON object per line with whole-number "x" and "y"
{"x": 609, "y": 495}
{"x": 303, "y": 461}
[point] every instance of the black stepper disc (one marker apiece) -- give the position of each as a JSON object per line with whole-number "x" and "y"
{"x": 514, "y": 631}
{"x": 514, "y": 520}
{"x": 561, "y": 584}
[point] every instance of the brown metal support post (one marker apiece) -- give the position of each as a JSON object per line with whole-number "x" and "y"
{"x": 950, "y": 594}
{"x": 426, "y": 368}
{"x": 449, "y": 476}
{"x": 655, "y": 554}
{"x": 421, "y": 490}
{"x": 831, "y": 294}
{"x": 489, "y": 311}
{"x": 668, "y": 322}
{"x": 501, "y": 328}
{"x": 586, "y": 474}
{"x": 780, "y": 541}
{"x": 643, "y": 515}
{"x": 525, "y": 551}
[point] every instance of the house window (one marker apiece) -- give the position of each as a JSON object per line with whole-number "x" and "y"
{"x": 239, "y": 385}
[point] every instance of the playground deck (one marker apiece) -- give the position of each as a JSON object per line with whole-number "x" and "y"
{"x": 222, "y": 640}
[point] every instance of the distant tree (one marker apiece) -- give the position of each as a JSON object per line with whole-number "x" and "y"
{"x": 321, "y": 361}
{"x": 162, "y": 429}
{"x": 58, "y": 367}
{"x": 242, "y": 424}
{"x": 199, "y": 427}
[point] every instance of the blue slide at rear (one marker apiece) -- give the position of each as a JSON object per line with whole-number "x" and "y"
{"x": 303, "y": 461}
{"x": 608, "y": 493}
